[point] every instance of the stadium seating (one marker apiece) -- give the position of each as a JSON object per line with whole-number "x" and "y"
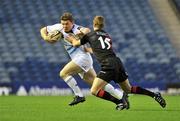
{"x": 137, "y": 35}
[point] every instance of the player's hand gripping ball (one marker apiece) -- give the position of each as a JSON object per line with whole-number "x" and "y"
{"x": 54, "y": 36}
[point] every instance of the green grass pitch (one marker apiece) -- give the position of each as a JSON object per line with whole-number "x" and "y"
{"x": 55, "y": 108}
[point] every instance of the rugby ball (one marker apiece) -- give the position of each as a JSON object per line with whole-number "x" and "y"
{"x": 55, "y": 35}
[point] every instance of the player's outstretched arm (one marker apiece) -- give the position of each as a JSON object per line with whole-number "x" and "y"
{"x": 85, "y": 30}
{"x": 82, "y": 31}
{"x": 73, "y": 40}
{"x": 76, "y": 40}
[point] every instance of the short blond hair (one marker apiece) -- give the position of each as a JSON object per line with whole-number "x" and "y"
{"x": 98, "y": 22}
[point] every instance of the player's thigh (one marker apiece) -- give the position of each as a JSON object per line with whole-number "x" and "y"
{"x": 89, "y": 76}
{"x": 126, "y": 86}
{"x": 71, "y": 68}
{"x": 97, "y": 85}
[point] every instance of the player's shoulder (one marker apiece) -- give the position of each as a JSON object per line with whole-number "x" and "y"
{"x": 80, "y": 26}
{"x": 92, "y": 33}
{"x": 76, "y": 26}
{"x": 56, "y": 26}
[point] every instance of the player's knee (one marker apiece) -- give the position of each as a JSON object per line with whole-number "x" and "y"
{"x": 62, "y": 74}
{"x": 93, "y": 91}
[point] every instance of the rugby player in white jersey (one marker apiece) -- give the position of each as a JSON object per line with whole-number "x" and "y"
{"x": 81, "y": 61}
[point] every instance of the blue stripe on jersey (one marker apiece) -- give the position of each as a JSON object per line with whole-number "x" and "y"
{"x": 70, "y": 47}
{"x": 72, "y": 50}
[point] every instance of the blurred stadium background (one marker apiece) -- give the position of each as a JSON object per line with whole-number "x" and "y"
{"x": 145, "y": 33}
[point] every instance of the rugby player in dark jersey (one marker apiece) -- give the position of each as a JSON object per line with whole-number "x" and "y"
{"x": 111, "y": 65}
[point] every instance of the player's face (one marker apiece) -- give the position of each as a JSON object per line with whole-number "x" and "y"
{"x": 67, "y": 25}
{"x": 94, "y": 26}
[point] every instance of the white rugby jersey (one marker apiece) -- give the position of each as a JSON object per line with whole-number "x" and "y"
{"x": 72, "y": 51}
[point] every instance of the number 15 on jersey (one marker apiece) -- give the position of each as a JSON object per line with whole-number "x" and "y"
{"x": 104, "y": 42}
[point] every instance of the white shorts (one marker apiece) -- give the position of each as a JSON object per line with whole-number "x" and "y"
{"x": 84, "y": 61}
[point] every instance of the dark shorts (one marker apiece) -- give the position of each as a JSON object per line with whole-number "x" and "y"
{"x": 112, "y": 69}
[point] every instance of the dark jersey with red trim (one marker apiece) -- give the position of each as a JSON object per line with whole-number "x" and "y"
{"x": 101, "y": 44}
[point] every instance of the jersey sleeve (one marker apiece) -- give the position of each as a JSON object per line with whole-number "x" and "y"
{"x": 84, "y": 40}
{"x": 55, "y": 27}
